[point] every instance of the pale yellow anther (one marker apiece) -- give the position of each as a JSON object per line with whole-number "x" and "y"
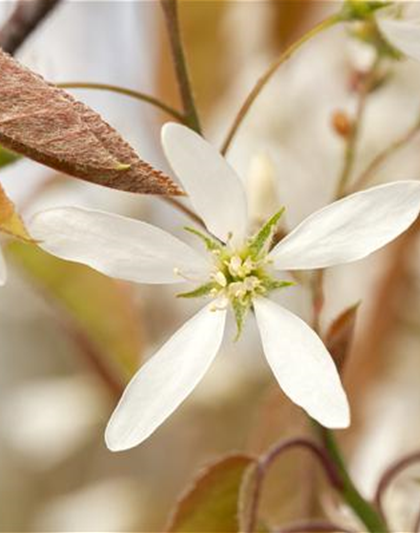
{"x": 220, "y": 278}
{"x": 220, "y": 304}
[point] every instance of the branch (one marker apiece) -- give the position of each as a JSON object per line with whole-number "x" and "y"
{"x": 383, "y": 156}
{"x": 23, "y": 21}
{"x": 268, "y": 74}
{"x": 170, "y": 10}
{"x": 390, "y": 474}
{"x": 353, "y": 138}
{"x": 313, "y": 526}
{"x": 126, "y": 92}
{"x": 267, "y": 460}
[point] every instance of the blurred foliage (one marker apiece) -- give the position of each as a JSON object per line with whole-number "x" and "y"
{"x": 211, "y": 504}
{"x": 7, "y": 157}
{"x": 100, "y": 306}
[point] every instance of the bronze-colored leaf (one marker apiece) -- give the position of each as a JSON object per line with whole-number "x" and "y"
{"x": 211, "y": 503}
{"x": 340, "y": 335}
{"x": 10, "y": 221}
{"x": 47, "y": 124}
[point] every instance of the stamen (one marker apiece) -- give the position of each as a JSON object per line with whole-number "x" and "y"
{"x": 178, "y": 272}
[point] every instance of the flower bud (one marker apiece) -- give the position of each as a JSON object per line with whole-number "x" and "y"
{"x": 341, "y": 123}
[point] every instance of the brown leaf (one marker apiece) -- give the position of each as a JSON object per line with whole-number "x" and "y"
{"x": 10, "y": 221}
{"x": 47, "y": 124}
{"x": 340, "y": 335}
{"x": 211, "y": 503}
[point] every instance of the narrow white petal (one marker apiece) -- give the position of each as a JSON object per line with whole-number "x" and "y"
{"x": 301, "y": 364}
{"x": 164, "y": 382}
{"x": 3, "y": 269}
{"x": 404, "y": 35}
{"x": 117, "y": 246}
{"x": 215, "y": 191}
{"x": 351, "y": 228}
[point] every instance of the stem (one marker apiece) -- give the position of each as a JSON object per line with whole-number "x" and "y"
{"x": 265, "y": 78}
{"x": 363, "y": 509}
{"x": 416, "y": 525}
{"x": 170, "y": 9}
{"x": 390, "y": 474}
{"x": 353, "y": 138}
{"x": 313, "y": 526}
{"x": 127, "y": 92}
{"x": 318, "y": 298}
{"x": 25, "y": 18}
{"x": 381, "y": 158}
{"x": 267, "y": 460}
{"x": 174, "y": 202}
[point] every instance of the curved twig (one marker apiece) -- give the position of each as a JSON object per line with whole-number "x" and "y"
{"x": 23, "y": 21}
{"x": 268, "y": 459}
{"x": 126, "y": 92}
{"x": 272, "y": 69}
{"x": 390, "y": 474}
{"x": 313, "y": 526}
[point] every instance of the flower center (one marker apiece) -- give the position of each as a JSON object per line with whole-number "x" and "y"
{"x": 239, "y": 275}
{"x": 237, "y": 280}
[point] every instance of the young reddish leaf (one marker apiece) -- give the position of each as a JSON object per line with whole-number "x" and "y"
{"x": 10, "y": 221}
{"x": 48, "y": 125}
{"x": 340, "y": 335}
{"x": 211, "y": 503}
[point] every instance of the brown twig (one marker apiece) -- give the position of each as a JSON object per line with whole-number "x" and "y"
{"x": 25, "y": 18}
{"x": 390, "y": 474}
{"x": 313, "y": 526}
{"x": 170, "y": 10}
{"x": 268, "y": 74}
{"x": 268, "y": 459}
{"x": 353, "y": 137}
{"x": 384, "y": 155}
{"x": 126, "y": 92}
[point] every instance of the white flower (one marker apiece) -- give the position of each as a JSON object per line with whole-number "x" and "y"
{"x": 400, "y": 24}
{"x": 236, "y": 271}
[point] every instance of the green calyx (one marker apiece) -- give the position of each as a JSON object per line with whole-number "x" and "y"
{"x": 360, "y": 9}
{"x": 239, "y": 275}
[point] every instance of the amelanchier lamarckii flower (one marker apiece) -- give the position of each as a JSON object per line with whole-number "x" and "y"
{"x": 400, "y": 24}
{"x": 231, "y": 270}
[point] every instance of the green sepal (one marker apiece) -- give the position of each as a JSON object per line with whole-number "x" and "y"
{"x": 360, "y": 10}
{"x": 210, "y": 243}
{"x": 257, "y": 243}
{"x": 240, "y": 310}
{"x": 273, "y": 284}
{"x": 202, "y": 290}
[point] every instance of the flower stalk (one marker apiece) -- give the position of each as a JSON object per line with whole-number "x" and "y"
{"x": 370, "y": 517}
{"x": 268, "y": 74}
{"x": 137, "y": 95}
{"x": 170, "y": 9}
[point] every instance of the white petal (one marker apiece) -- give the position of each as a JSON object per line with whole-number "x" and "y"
{"x": 117, "y": 246}
{"x": 302, "y": 365}
{"x": 351, "y": 228}
{"x": 402, "y": 34}
{"x": 164, "y": 382}
{"x": 215, "y": 191}
{"x": 3, "y": 269}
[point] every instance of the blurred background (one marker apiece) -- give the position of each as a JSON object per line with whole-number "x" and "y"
{"x": 70, "y": 338}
